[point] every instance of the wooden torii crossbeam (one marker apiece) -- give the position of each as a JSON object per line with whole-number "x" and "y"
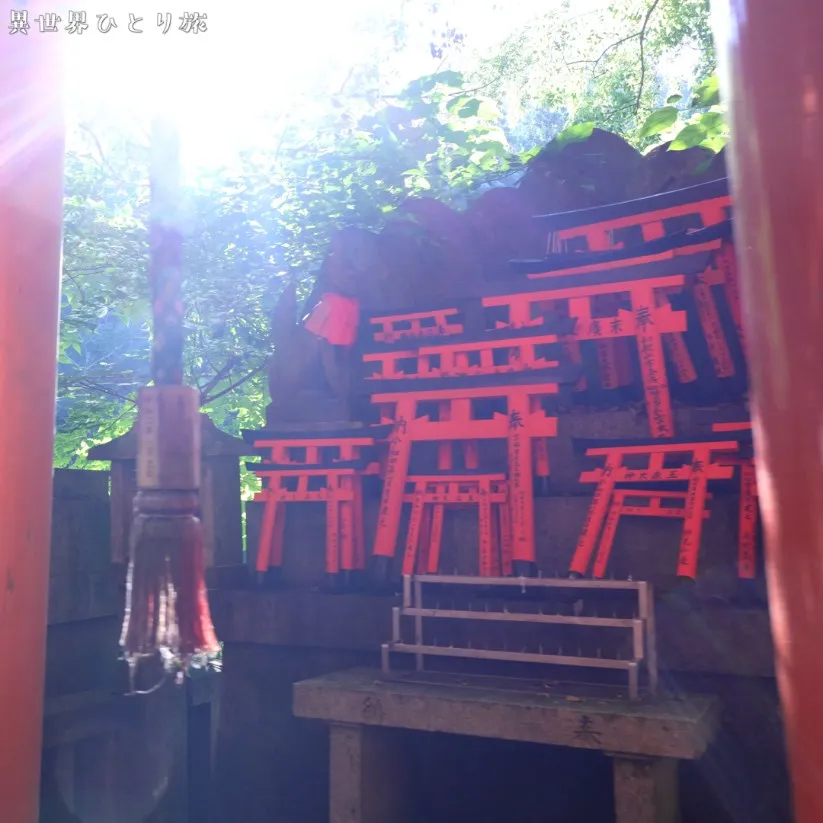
{"x": 390, "y": 328}
{"x": 633, "y": 222}
{"x": 464, "y": 358}
{"x": 694, "y": 462}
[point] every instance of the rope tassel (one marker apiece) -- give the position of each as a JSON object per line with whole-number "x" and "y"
{"x": 167, "y": 609}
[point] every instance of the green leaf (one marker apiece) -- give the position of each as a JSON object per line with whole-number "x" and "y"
{"x": 714, "y": 143}
{"x": 449, "y": 78}
{"x": 455, "y": 136}
{"x": 658, "y": 121}
{"x": 575, "y": 133}
{"x": 674, "y": 98}
{"x": 456, "y": 103}
{"x": 707, "y": 93}
{"x": 422, "y": 110}
{"x": 488, "y": 110}
{"x": 470, "y": 109}
{"x": 688, "y": 137}
{"x": 713, "y": 122}
{"x": 493, "y": 146}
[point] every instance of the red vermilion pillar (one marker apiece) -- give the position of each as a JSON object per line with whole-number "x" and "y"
{"x": 31, "y": 194}
{"x": 772, "y": 77}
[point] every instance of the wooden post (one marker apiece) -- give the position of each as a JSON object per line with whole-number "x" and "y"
{"x": 772, "y": 79}
{"x": 31, "y": 213}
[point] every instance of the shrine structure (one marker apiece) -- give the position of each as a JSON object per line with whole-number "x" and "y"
{"x": 477, "y": 434}
{"x": 456, "y": 404}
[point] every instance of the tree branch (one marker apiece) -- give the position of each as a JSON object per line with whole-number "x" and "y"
{"x": 102, "y": 155}
{"x": 205, "y": 400}
{"x": 605, "y": 51}
{"x": 649, "y": 13}
{"x": 221, "y": 374}
{"x": 89, "y": 384}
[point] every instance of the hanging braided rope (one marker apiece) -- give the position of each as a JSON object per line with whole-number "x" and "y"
{"x": 167, "y": 608}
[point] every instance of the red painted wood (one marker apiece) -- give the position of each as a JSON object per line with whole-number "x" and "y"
{"x": 773, "y": 80}
{"x": 31, "y": 211}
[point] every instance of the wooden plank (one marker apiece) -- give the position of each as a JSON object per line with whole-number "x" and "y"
{"x": 524, "y": 617}
{"x": 513, "y": 657}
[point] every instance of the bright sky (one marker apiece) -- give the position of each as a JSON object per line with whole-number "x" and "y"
{"x": 258, "y": 57}
{"x": 266, "y": 58}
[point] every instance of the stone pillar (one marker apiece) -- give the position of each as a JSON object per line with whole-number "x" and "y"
{"x": 369, "y": 782}
{"x": 645, "y": 790}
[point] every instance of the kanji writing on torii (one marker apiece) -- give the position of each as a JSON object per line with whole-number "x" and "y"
{"x": 650, "y": 222}
{"x": 522, "y": 422}
{"x": 647, "y": 321}
{"x": 695, "y": 463}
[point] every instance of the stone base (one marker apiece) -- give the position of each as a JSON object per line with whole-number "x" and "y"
{"x": 370, "y": 783}
{"x": 368, "y": 779}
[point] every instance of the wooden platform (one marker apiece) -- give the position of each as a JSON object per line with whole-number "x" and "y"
{"x": 368, "y": 777}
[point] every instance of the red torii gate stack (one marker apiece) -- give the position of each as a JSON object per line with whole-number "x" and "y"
{"x": 641, "y": 222}
{"x": 647, "y": 320}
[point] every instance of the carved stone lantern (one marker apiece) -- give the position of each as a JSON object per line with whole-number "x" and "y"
{"x": 220, "y": 505}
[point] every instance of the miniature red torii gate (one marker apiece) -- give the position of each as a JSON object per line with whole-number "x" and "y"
{"x": 647, "y": 322}
{"x": 720, "y": 271}
{"x": 523, "y": 422}
{"x": 624, "y": 503}
{"x": 520, "y": 354}
{"x": 429, "y": 498}
{"x": 699, "y": 467}
{"x": 604, "y": 228}
{"x": 340, "y": 477}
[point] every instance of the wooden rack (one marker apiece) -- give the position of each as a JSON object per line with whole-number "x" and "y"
{"x": 642, "y": 626}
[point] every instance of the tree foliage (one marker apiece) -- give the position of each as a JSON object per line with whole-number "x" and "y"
{"x": 612, "y": 65}
{"x": 250, "y": 229}
{"x": 265, "y": 219}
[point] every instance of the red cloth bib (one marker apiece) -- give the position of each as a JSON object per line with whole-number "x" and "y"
{"x": 335, "y": 318}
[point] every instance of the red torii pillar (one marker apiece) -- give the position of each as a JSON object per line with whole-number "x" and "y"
{"x": 772, "y": 78}
{"x": 31, "y": 212}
